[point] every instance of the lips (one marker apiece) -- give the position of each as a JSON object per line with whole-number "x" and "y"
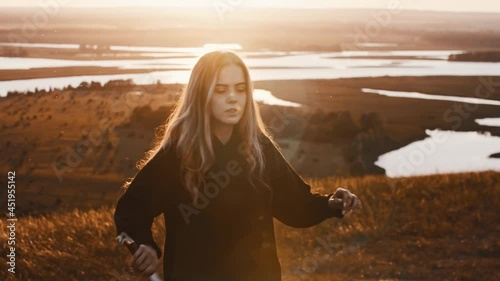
{"x": 232, "y": 110}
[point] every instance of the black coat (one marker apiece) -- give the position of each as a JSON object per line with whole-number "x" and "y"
{"x": 229, "y": 234}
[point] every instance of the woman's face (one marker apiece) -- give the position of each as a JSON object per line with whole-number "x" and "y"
{"x": 229, "y": 96}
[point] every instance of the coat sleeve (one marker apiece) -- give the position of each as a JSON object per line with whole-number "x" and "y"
{"x": 293, "y": 202}
{"x": 142, "y": 202}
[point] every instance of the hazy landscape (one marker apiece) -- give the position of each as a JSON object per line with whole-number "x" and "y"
{"x": 359, "y": 94}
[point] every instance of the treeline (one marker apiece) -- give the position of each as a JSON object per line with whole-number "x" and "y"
{"x": 479, "y": 56}
{"x": 121, "y": 85}
{"x": 362, "y": 139}
{"x": 13, "y": 52}
{"x": 286, "y": 122}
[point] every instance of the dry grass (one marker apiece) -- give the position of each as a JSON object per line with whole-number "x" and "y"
{"x": 424, "y": 228}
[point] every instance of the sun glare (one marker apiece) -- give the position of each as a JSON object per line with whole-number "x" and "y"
{"x": 213, "y": 46}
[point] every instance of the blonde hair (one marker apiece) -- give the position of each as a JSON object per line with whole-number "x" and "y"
{"x": 189, "y": 125}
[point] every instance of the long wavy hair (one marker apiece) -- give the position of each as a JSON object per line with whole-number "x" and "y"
{"x": 189, "y": 126}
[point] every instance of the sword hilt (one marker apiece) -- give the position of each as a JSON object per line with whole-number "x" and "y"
{"x": 125, "y": 239}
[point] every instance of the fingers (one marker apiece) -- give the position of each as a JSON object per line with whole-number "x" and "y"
{"x": 351, "y": 202}
{"x": 139, "y": 255}
{"x": 356, "y": 204}
{"x": 136, "y": 255}
{"x": 340, "y": 192}
{"x": 348, "y": 200}
{"x": 150, "y": 270}
{"x": 144, "y": 260}
{"x": 336, "y": 203}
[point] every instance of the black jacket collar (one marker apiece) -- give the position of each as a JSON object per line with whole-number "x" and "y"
{"x": 231, "y": 143}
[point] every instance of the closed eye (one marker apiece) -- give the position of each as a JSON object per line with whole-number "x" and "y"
{"x": 220, "y": 89}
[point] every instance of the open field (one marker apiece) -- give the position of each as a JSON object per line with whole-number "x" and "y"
{"x": 439, "y": 227}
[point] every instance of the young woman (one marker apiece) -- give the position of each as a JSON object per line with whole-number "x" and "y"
{"x": 219, "y": 179}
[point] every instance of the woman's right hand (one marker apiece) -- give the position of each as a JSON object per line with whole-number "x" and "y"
{"x": 145, "y": 261}
{"x": 350, "y": 201}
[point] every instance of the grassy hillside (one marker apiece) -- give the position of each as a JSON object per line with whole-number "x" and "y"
{"x": 100, "y": 132}
{"x": 441, "y": 227}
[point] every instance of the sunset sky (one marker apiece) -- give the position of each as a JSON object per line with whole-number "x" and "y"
{"x": 436, "y": 5}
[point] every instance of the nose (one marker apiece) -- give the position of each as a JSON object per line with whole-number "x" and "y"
{"x": 231, "y": 98}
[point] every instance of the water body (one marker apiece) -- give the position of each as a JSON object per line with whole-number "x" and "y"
{"x": 173, "y": 64}
{"x": 288, "y": 67}
{"x": 267, "y": 97}
{"x": 416, "y": 95}
{"x": 492, "y": 122}
{"x": 130, "y": 48}
{"x": 440, "y": 152}
{"x": 443, "y": 152}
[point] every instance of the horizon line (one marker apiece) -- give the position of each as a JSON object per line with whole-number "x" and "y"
{"x": 257, "y": 7}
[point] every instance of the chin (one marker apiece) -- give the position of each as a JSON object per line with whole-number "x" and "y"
{"x": 231, "y": 121}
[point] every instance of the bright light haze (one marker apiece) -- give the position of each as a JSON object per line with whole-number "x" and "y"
{"x": 439, "y": 5}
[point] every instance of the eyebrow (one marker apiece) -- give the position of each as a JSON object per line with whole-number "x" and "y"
{"x": 238, "y": 84}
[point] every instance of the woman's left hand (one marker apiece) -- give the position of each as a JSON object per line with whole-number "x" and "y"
{"x": 343, "y": 198}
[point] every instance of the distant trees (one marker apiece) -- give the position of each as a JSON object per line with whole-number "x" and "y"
{"x": 119, "y": 83}
{"x": 126, "y": 85}
{"x": 13, "y": 52}
{"x": 362, "y": 138}
{"x": 13, "y": 93}
{"x": 147, "y": 118}
{"x": 479, "y": 56}
{"x": 95, "y": 85}
{"x": 370, "y": 121}
{"x": 83, "y": 85}
{"x": 320, "y": 125}
{"x": 315, "y": 125}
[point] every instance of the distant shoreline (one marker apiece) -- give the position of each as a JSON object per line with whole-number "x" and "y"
{"x": 254, "y": 8}
{"x": 478, "y": 56}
